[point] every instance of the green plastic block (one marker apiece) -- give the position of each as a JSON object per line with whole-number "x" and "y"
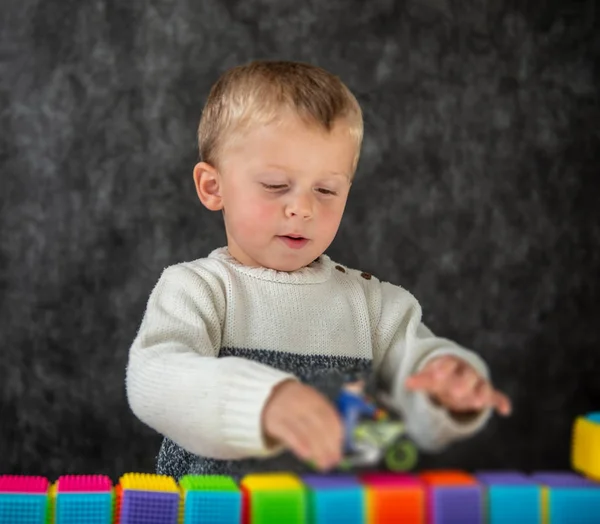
{"x": 208, "y": 483}
{"x": 274, "y": 507}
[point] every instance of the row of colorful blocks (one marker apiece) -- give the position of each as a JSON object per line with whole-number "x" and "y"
{"x": 435, "y": 497}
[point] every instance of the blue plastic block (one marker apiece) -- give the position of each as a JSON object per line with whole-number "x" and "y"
{"x": 149, "y": 507}
{"x": 213, "y": 507}
{"x": 88, "y": 508}
{"x": 454, "y": 504}
{"x": 512, "y": 498}
{"x": 572, "y": 499}
{"x": 23, "y": 508}
{"x": 335, "y": 499}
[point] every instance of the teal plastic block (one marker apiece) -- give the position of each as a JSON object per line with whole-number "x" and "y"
{"x": 572, "y": 499}
{"x": 23, "y": 508}
{"x": 335, "y": 499}
{"x": 512, "y": 498}
{"x": 80, "y": 508}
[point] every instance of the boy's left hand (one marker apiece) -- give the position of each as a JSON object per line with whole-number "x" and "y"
{"x": 454, "y": 384}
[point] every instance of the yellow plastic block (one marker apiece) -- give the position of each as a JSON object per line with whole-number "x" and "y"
{"x": 585, "y": 452}
{"x": 148, "y": 482}
{"x": 271, "y": 481}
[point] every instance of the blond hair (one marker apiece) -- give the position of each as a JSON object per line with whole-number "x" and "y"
{"x": 259, "y": 92}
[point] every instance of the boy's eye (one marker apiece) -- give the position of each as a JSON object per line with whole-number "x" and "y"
{"x": 324, "y": 191}
{"x": 274, "y": 187}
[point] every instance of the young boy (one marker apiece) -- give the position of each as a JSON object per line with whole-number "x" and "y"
{"x": 240, "y": 355}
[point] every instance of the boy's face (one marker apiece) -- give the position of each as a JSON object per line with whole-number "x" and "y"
{"x": 283, "y": 189}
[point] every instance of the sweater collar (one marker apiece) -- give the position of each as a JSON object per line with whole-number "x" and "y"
{"x": 315, "y": 273}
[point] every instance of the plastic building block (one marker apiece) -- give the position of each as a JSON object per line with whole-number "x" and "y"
{"x": 23, "y": 499}
{"x": 274, "y": 498}
{"x": 585, "y": 450}
{"x": 148, "y": 499}
{"x": 568, "y": 498}
{"x": 394, "y": 497}
{"x": 512, "y": 497}
{"x": 453, "y": 496}
{"x": 210, "y": 499}
{"x": 83, "y": 498}
{"x": 334, "y": 499}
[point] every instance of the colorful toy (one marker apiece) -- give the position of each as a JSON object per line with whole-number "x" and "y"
{"x": 23, "y": 500}
{"x": 83, "y": 498}
{"x": 371, "y": 498}
{"x": 210, "y": 500}
{"x": 274, "y": 497}
{"x": 394, "y": 498}
{"x": 148, "y": 499}
{"x": 585, "y": 451}
{"x": 334, "y": 499}
{"x": 453, "y": 496}
{"x": 567, "y": 497}
{"x": 373, "y": 437}
{"x": 511, "y": 498}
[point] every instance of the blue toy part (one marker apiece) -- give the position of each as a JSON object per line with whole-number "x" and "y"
{"x": 351, "y": 407}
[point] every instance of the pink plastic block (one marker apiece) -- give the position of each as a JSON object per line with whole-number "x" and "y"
{"x": 83, "y": 484}
{"x": 23, "y": 484}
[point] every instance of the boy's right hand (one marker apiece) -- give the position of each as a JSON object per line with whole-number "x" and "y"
{"x": 305, "y": 422}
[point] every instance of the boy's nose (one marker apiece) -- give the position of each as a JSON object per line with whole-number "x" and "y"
{"x": 300, "y": 206}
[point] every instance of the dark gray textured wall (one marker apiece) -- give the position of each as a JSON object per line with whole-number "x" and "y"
{"x": 478, "y": 190}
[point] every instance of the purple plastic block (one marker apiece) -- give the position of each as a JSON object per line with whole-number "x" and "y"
{"x": 504, "y": 478}
{"x": 330, "y": 481}
{"x": 562, "y": 479}
{"x": 452, "y": 504}
{"x": 149, "y": 507}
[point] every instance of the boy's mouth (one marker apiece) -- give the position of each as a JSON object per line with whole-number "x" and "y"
{"x": 293, "y": 241}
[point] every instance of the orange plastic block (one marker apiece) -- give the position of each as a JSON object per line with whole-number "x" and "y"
{"x": 447, "y": 477}
{"x": 394, "y": 497}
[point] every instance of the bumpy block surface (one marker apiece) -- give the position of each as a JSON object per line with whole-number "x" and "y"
{"x": 568, "y": 498}
{"x": 83, "y": 499}
{"x": 335, "y": 499}
{"x": 585, "y": 446}
{"x": 210, "y": 500}
{"x": 148, "y": 499}
{"x": 453, "y": 496}
{"x": 23, "y": 499}
{"x": 272, "y": 498}
{"x": 512, "y": 498}
{"x": 394, "y": 497}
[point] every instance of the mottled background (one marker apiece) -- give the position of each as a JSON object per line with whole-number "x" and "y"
{"x": 478, "y": 190}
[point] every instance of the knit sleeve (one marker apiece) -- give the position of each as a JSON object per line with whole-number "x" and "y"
{"x": 404, "y": 345}
{"x": 176, "y": 384}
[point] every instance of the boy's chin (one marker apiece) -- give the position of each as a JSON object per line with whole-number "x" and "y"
{"x": 289, "y": 265}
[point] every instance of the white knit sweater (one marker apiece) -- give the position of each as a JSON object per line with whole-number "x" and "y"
{"x": 217, "y": 336}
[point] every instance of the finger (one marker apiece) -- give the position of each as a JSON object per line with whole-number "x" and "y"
{"x": 332, "y": 436}
{"x": 420, "y": 381}
{"x": 295, "y": 440}
{"x": 323, "y": 428}
{"x": 502, "y": 403}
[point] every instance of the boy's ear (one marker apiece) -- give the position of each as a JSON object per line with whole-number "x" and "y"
{"x": 208, "y": 186}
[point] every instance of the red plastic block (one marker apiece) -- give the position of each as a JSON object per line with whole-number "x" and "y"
{"x": 83, "y": 484}
{"x": 23, "y": 484}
